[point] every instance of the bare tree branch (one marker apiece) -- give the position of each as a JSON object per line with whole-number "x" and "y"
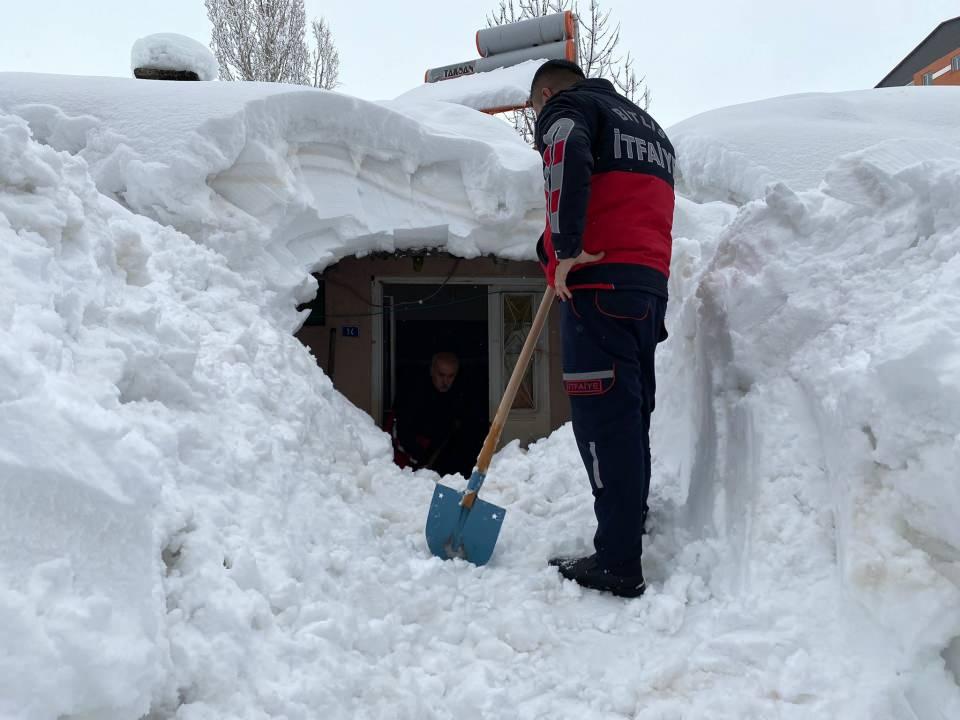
{"x": 326, "y": 57}
{"x": 265, "y": 40}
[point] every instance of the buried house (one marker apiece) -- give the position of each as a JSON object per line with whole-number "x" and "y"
{"x": 379, "y": 317}
{"x": 407, "y": 227}
{"x": 378, "y": 320}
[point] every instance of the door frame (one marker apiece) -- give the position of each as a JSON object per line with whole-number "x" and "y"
{"x": 522, "y": 424}
{"x": 495, "y": 369}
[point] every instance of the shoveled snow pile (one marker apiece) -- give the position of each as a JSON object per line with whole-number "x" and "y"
{"x": 199, "y": 526}
{"x": 503, "y": 87}
{"x": 169, "y": 51}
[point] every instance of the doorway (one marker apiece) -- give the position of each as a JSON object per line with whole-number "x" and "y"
{"x": 484, "y": 321}
{"x": 421, "y": 321}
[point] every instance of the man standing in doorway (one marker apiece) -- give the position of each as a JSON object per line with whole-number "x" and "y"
{"x": 609, "y": 181}
{"x": 429, "y": 420}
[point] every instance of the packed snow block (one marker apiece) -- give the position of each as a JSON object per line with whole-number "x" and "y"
{"x": 168, "y": 56}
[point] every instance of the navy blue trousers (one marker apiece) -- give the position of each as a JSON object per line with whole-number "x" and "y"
{"x": 609, "y": 338}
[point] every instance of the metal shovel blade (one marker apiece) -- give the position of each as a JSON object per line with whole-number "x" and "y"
{"x": 455, "y": 531}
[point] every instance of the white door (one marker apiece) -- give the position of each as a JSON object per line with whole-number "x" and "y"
{"x": 511, "y": 312}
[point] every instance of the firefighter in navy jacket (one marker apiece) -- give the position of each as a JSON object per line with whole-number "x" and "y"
{"x": 609, "y": 188}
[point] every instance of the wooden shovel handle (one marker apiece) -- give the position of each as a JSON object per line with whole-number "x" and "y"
{"x": 506, "y": 402}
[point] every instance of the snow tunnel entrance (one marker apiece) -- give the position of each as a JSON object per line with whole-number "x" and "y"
{"x": 378, "y": 320}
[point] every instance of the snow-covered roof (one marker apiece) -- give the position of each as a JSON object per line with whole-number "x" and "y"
{"x": 290, "y": 169}
{"x": 169, "y": 51}
{"x": 500, "y": 88}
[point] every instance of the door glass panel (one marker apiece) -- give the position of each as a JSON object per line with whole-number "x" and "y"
{"x": 517, "y": 319}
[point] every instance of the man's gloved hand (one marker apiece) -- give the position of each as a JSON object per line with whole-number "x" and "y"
{"x": 418, "y": 453}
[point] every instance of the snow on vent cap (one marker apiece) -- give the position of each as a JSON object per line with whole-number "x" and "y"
{"x": 169, "y": 51}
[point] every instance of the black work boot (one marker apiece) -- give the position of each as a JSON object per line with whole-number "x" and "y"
{"x": 586, "y": 572}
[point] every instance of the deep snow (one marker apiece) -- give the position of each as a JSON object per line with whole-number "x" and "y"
{"x": 733, "y": 153}
{"x": 199, "y": 526}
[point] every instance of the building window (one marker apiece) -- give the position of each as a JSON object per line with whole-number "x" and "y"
{"x": 518, "y": 312}
{"x": 955, "y": 64}
{"x": 928, "y": 78}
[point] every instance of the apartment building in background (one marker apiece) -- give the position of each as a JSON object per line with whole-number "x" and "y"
{"x": 935, "y": 61}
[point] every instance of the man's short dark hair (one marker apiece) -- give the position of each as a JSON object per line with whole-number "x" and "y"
{"x": 556, "y": 72}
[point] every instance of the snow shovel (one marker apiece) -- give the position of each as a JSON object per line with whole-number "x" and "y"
{"x": 459, "y": 525}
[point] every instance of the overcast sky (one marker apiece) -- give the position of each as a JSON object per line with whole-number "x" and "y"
{"x": 696, "y": 54}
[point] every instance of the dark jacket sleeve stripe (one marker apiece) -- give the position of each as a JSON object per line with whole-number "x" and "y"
{"x": 568, "y": 167}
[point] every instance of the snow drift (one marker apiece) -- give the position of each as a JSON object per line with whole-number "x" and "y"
{"x": 733, "y": 153}
{"x": 202, "y": 527}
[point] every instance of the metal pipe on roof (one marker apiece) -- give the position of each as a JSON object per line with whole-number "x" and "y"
{"x": 526, "y": 33}
{"x": 551, "y": 37}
